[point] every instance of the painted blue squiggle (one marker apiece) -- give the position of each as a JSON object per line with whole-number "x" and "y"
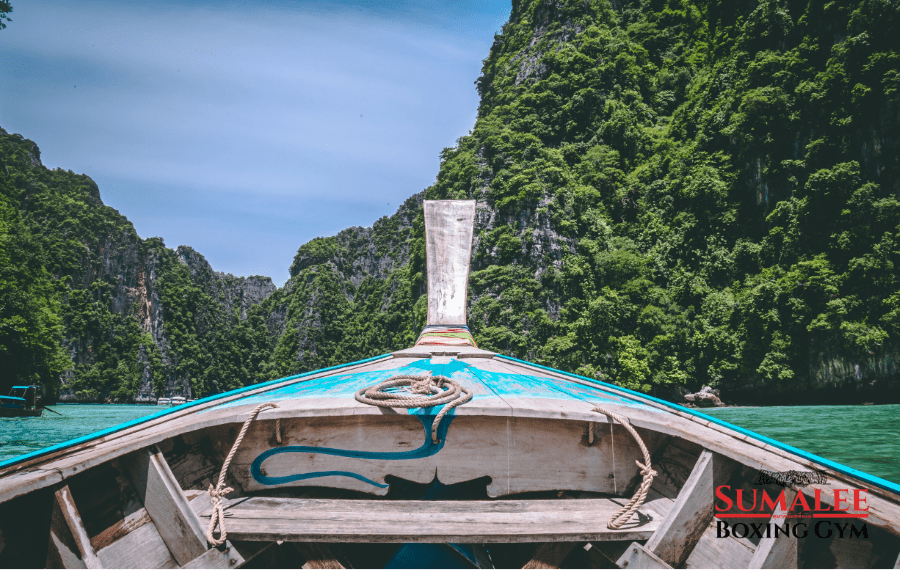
{"x": 315, "y": 474}
{"x": 426, "y": 450}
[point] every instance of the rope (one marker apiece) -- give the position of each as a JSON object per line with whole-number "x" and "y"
{"x": 621, "y": 516}
{"x": 221, "y": 490}
{"x": 434, "y": 390}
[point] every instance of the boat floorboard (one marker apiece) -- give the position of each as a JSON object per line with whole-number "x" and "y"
{"x": 524, "y": 521}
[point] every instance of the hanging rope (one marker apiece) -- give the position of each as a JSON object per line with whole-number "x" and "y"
{"x": 423, "y": 392}
{"x": 220, "y": 490}
{"x": 621, "y": 516}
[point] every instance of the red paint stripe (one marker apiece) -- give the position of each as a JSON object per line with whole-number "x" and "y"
{"x": 742, "y": 516}
{"x": 843, "y": 516}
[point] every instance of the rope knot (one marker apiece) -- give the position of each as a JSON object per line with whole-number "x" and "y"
{"x": 621, "y": 516}
{"x": 421, "y": 392}
{"x": 426, "y": 385}
{"x": 646, "y": 470}
{"x": 218, "y": 492}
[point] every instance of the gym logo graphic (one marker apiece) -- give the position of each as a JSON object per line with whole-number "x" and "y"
{"x": 788, "y": 513}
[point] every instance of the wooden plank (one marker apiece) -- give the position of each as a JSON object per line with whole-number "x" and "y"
{"x": 62, "y": 551}
{"x": 778, "y": 552}
{"x": 448, "y": 248}
{"x": 318, "y": 556}
{"x": 141, "y": 548}
{"x": 605, "y": 554}
{"x": 309, "y": 520}
{"x": 166, "y": 504}
{"x": 714, "y": 552}
{"x": 638, "y": 556}
{"x": 692, "y": 511}
{"x": 506, "y": 450}
{"x": 124, "y": 527}
{"x": 228, "y": 557}
{"x": 550, "y": 555}
{"x": 66, "y": 505}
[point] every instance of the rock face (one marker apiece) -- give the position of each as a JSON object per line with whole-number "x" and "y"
{"x": 138, "y": 319}
{"x": 706, "y": 398}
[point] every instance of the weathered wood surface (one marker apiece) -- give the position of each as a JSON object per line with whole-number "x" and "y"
{"x": 62, "y": 549}
{"x": 448, "y": 243}
{"x": 503, "y": 441}
{"x": 166, "y": 505}
{"x": 433, "y": 350}
{"x": 308, "y": 520}
{"x": 227, "y": 557}
{"x": 692, "y": 511}
{"x": 141, "y": 548}
{"x": 65, "y": 509}
{"x": 518, "y": 454}
{"x": 639, "y": 556}
{"x": 778, "y": 552}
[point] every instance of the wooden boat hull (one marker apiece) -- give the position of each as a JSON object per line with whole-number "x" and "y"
{"x": 525, "y": 434}
{"x": 20, "y": 413}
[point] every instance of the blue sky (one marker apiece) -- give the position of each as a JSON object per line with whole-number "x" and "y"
{"x": 245, "y": 129}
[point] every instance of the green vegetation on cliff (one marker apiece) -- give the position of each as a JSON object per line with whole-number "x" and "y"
{"x": 724, "y": 177}
{"x": 89, "y": 308}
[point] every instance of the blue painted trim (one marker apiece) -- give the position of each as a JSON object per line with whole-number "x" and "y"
{"x": 877, "y": 481}
{"x": 166, "y": 411}
{"x": 427, "y": 449}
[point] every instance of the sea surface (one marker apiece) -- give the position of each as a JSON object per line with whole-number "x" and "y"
{"x": 863, "y": 437}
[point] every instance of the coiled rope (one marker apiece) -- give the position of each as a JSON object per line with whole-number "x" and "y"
{"x": 621, "y": 516}
{"x": 423, "y": 392}
{"x": 220, "y": 490}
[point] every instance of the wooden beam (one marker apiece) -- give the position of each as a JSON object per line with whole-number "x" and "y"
{"x": 166, "y": 504}
{"x": 228, "y": 557}
{"x": 692, "y": 511}
{"x": 522, "y": 521}
{"x": 70, "y": 545}
{"x": 605, "y": 554}
{"x": 638, "y": 556}
{"x": 448, "y": 248}
{"x": 778, "y": 552}
{"x": 550, "y": 554}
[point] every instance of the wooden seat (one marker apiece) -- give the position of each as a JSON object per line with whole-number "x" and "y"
{"x": 307, "y": 520}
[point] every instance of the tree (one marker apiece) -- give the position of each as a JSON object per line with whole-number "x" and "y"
{"x": 5, "y": 8}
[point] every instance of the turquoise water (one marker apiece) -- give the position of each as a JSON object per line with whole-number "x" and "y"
{"x": 22, "y": 435}
{"x": 863, "y": 437}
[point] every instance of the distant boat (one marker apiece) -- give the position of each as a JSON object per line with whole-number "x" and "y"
{"x": 164, "y": 402}
{"x": 178, "y": 400}
{"x": 529, "y": 467}
{"x": 20, "y": 403}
